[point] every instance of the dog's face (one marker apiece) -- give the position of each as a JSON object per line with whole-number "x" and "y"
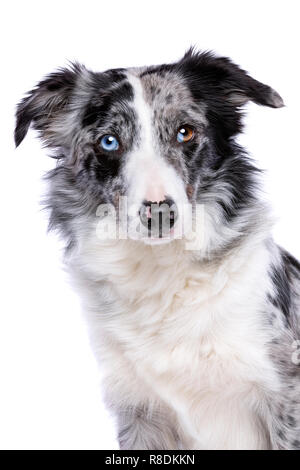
{"x": 157, "y": 138}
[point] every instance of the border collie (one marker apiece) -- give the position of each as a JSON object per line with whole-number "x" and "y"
{"x": 193, "y": 310}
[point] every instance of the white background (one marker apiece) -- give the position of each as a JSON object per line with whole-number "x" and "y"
{"x": 50, "y": 394}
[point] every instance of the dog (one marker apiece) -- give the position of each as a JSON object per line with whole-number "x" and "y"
{"x": 193, "y": 310}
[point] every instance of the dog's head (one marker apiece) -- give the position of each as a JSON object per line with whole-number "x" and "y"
{"x": 158, "y": 139}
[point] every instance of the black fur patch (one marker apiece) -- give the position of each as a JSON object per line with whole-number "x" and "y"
{"x": 99, "y": 106}
{"x": 292, "y": 265}
{"x": 41, "y": 104}
{"x": 218, "y": 82}
{"x": 96, "y": 112}
{"x": 107, "y": 166}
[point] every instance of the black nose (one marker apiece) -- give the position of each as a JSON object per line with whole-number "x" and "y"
{"x": 158, "y": 217}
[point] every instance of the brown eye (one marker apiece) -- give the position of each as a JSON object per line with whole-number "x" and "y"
{"x": 185, "y": 134}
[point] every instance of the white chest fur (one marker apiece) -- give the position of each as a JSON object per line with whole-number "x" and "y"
{"x": 190, "y": 335}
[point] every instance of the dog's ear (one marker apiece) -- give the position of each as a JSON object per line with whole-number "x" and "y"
{"x": 47, "y": 107}
{"x": 226, "y": 79}
{"x": 240, "y": 88}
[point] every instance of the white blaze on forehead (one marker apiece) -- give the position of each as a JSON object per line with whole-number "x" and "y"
{"x": 148, "y": 173}
{"x": 145, "y": 163}
{"x": 143, "y": 111}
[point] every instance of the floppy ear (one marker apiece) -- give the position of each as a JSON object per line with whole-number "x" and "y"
{"x": 239, "y": 88}
{"x": 224, "y": 77}
{"x": 47, "y": 106}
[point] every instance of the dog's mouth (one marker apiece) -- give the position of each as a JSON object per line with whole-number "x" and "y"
{"x": 159, "y": 219}
{"x": 154, "y": 222}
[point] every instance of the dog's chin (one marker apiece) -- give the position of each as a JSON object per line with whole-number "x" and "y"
{"x": 152, "y": 239}
{"x": 157, "y": 241}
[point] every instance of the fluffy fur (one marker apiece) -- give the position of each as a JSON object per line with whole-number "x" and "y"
{"x": 196, "y": 344}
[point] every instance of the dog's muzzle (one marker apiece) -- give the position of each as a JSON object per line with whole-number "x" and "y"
{"x": 158, "y": 217}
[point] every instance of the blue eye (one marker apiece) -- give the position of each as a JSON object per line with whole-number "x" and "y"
{"x": 109, "y": 143}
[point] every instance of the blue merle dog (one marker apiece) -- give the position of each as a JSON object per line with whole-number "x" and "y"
{"x": 193, "y": 310}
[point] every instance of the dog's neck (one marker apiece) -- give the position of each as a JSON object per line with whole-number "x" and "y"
{"x": 139, "y": 271}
